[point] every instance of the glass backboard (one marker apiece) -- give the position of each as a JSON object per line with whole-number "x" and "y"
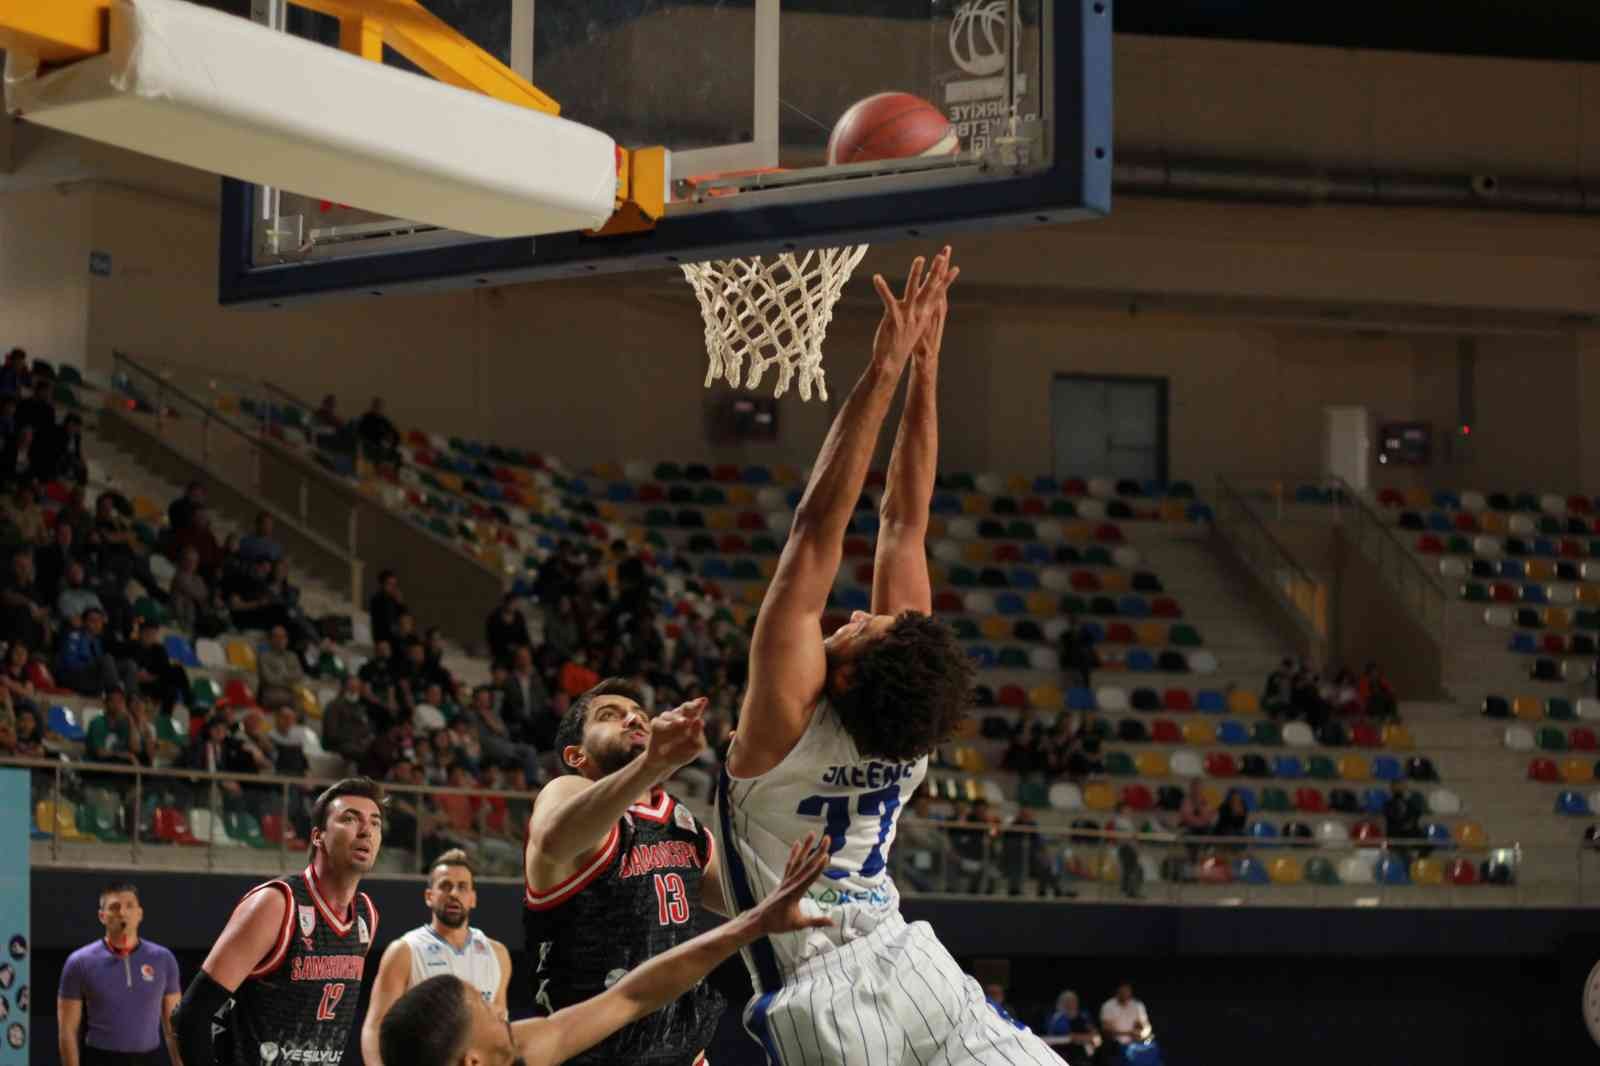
{"x": 787, "y": 123}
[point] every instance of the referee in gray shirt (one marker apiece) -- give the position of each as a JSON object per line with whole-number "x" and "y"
{"x": 117, "y": 994}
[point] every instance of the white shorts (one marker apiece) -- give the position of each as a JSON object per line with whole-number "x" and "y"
{"x": 892, "y": 998}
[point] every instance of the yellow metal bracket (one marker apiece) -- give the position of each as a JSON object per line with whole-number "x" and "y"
{"x": 61, "y": 31}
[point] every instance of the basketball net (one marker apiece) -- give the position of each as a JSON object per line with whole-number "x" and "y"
{"x": 771, "y": 312}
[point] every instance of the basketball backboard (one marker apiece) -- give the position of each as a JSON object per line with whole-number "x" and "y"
{"x": 744, "y": 95}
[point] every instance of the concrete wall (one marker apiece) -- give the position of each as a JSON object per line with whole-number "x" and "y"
{"x": 44, "y": 272}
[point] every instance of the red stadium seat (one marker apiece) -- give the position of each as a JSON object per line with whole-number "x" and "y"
{"x": 733, "y": 544}
{"x": 1462, "y": 872}
{"x": 1429, "y": 544}
{"x": 1012, "y": 696}
{"x": 1074, "y": 486}
{"x": 1033, "y": 506}
{"x": 1310, "y": 801}
{"x": 1085, "y": 581}
{"x": 1107, "y": 533}
{"x": 1165, "y": 607}
{"x": 1165, "y": 731}
{"x": 1221, "y": 764}
{"x": 236, "y": 692}
{"x": 1119, "y": 633}
{"x": 274, "y": 830}
{"x": 1391, "y": 498}
{"x": 1007, "y": 553}
{"x": 650, "y": 492}
{"x": 1365, "y": 735}
{"x": 726, "y": 473}
{"x": 1553, "y": 643}
{"x": 1503, "y": 593}
{"x": 1213, "y": 870}
{"x": 1572, "y": 549}
{"x": 1177, "y": 699}
{"x": 1582, "y": 738}
{"x": 752, "y": 521}
{"x": 1544, "y": 770}
{"x": 1465, "y": 522}
{"x": 172, "y": 827}
{"x": 1139, "y": 798}
{"x": 1579, "y": 505}
{"x": 947, "y": 603}
{"x": 1366, "y": 833}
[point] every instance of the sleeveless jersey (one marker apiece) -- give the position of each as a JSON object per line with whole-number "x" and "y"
{"x": 822, "y": 786}
{"x": 299, "y": 1004}
{"x": 634, "y": 900}
{"x": 476, "y": 963}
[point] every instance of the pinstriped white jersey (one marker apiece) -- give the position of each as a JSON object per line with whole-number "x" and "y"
{"x": 822, "y": 786}
{"x": 476, "y": 963}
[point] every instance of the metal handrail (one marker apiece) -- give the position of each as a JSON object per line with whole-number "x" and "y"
{"x": 1302, "y": 593}
{"x": 1421, "y": 589}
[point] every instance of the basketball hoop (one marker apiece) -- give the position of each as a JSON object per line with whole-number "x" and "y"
{"x": 771, "y": 313}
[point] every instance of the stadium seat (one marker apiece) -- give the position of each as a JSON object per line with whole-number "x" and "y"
{"x": 1320, "y": 871}
{"x": 1496, "y": 707}
{"x": 1120, "y": 764}
{"x": 1471, "y": 835}
{"x": 1393, "y": 871}
{"x": 1210, "y": 701}
{"x": 1462, "y": 872}
{"x": 1321, "y": 768}
{"x": 1220, "y": 764}
{"x": 1213, "y": 870}
{"x": 180, "y": 651}
{"x": 1427, "y": 871}
{"x": 1232, "y": 732}
{"x": 1186, "y": 764}
{"x": 1518, "y": 738}
{"x": 1544, "y": 771}
{"x": 1396, "y": 737}
{"x": 1551, "y": 738}
{"x": 1276, "y": 800}
{"x": 1443, "y": 801}
{"x": 1099, "y": 796}
{"x": 1359, "y": 868}
{"x": 237, "y": 693}
{"x": 1298, "y": 735}
{"x": 1152, "y": 764}
{"x": 241, "y": 656}
{"x": 1387, "y": 768}
{"x": 64, "y": 722}
{"x": 1573, "y": 803}
{"x": 1065, "y": 796}
{"x": 1177, "y": 699}
{"x": 1581, "y": 738}
{"x": 1288, "y": 767}
{"x": 1250, "y": 871}
{"x": 1110, "y": 698}
{"x": 211, "y": 654}
{"x": 172, "y": 827}
{"x": 1199, "y": 732}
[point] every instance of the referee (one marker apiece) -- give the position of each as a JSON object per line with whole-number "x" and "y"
{"x": 118, "y": 993}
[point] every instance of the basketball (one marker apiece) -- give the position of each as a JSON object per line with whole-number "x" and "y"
{"x": 891, "y": 126}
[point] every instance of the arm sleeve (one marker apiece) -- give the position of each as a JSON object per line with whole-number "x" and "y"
{"x": 191, "y": 1022}
{"x": 71, "y": 981}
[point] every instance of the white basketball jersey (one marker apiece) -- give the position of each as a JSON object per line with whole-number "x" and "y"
{"x": 476, "y": 964}
{"x": 822, "y": 786}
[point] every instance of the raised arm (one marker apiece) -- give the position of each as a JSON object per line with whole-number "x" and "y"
{"x": 900, "y": 569}
{"x": 573, "y": 816}
{"x": 394, "y": 973}
{"x": 651, "y": 986}
{"x": 788, "y": 665}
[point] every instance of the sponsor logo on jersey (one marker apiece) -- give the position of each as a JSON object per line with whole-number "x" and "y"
{"x": 327, "y": 1055}
{"x": 826, "y": 896}
{"x": 480, "y": 947}
{"x": 326, "y": 968}
{"x": 642, "y": 858}
{"x": 308, "y": 920}
{"x": 362, "y": 932}
{"x": 148, "y": 972}
{"x": 684, "y": 819}
{"x": 268, "y": 1052}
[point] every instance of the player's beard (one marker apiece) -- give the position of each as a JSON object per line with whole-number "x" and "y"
{"x": 610, "y": 760}
{"x": 451, "y": 920}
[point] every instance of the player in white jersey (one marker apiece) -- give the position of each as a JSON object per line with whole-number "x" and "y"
{"x": 835, "y": 735}
{"x": 446, "y": 945}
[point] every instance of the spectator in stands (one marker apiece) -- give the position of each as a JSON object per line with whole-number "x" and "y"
{"x": 261, "y": 544}
{"x": 1233, "y": 817}
{"x": 1124, "y": 1020}
{"x": 379, "y": 438}
{"x": 434, "y": 671}
{"x": 1196, "y": 816}
{"x": 50, "y": 562}
{"x": 22, "y": 510}
{"x": 218, "y": 749}
{"x": 248, "y": 594}
{"x": 29, "y": 734}
{"x": 380, "y": 676}
{"x": 195, "y": 608}
{"x": 1402, "y": 820}
{"x": 181, "y": 510}
{"x": 14, "y": 372}
{"x": 120, "y": 555}
{"x": 506, "y": 630}
{"x": 23, "y": 615}
{"x": 15, "y": 683}
{"x": 464, "y": 740}
{"x": 1025, "y": 853}
{"x": 411, "y": 668}
{"x": 922, "y": 851}
{"x": 19, "y": 459}
{"x": 76, "y": 513}
{"x": 1076, "y": 653}
{"x": 347, "y": 724}
{"x": 523, "y": 695}
{"x": 197, "y": 536}
{"x": 1073, "y": 749}
{"x": 1070, "y": 1020}
{"x": 577, "y": 678}
{"x": 82, "y": 663}
{"x": 427, "y": 718}
{"x": 75, "y": 597}
{"x": 64, "y": 458}
{"x": 157, "y": 676}
{"x": 1306, "y": 696}
{"x": 495, "y": 738}
{"x": 972, "y": 838}
{"x": 117, "y": 736}
{"x": 561, "y": 631}
{"x": 327, "y": 413}
{"x": 292, "y": 743}
{"x": 36, "y": 410}
{"x": 1277, "y": 696}
{"x": 278, "y": 666}
{"x": 1124, "y": 833}
{"x": 1344, "y": 696}
{"x": 386, "y": 607}
{"x": 1377, "y": 695}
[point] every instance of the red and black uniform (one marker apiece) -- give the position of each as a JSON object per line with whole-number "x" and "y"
{"x": 637, "y": 897}
{"x": 299, "y": 1004}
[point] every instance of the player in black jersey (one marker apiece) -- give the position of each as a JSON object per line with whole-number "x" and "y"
{"x": 616, "y": 868}
{"x": 442, "y": 1022}
{"x": 282, "y": 983}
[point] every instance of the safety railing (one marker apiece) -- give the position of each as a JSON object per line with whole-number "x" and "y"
{"x": 1419, "y": 590}
{"x": 117, "y": 816}
{"x": 1303, "y": 595}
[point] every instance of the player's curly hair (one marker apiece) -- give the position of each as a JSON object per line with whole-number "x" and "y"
{"x": 569, "y": 731}
{"x": 429, "y": 1025}
{"x": 908, "y": 691}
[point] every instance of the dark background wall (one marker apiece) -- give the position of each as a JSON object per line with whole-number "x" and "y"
{"x": 1223, "y": 985}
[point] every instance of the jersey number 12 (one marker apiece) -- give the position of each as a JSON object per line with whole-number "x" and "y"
{"x": 332, "y": 993}
{"x": 835, "y": 814}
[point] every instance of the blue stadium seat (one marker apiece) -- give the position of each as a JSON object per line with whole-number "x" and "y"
{"x": 64, "y": 723}
{"x": 1133, "y": 607}
{"x": 1251, "y": 802}
{"x": 1080, "y": 699}
{"x": 1523, "y": 643}
{"x": 1094, "y": 631}
{"x": 619, "y": 492}
{"x": 180, "y": 651}
{"x": 1251, "y": 871}
{"x": 1570, "y": 802}
{"x": 1232, "y": 732}
{"x": 1387, "y": 768}
{"x": 1438, "y": 835}
{"x": 1140, "y": 660}
{"x": 1534, "y": 594}
{"x": 1263, "y": 831}
{"x": 756, "y": 475}
{"x": 1288, "y": 767}
{"x": 1448, "y": 501}
{"x": 945, "y": 503}
{"x": 1024, "y": 578}
{"x": 1210, "y": 701}
{"x": 1037, "y": 553}
{"x": 1392, "y": 870}
{"x": 715, "y": 568}
{"x": 1439, "y": 522}
{"x": 1373, "y": 800}
{"x": 982, "y": 656}
{"x": 1007, "y": 603}
{"x": 1045, "y": 486}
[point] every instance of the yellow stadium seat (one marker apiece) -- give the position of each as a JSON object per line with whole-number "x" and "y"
{"x": 1492, "y": 522}
{"x": 1285, "y": 871}
{"x": 1114, "y": 580}
{"x": 1078, "y": 532}
{"x": 967, "y": 728}
{"x": 1110, "y": 868}
{"x": 721, "y": 519}
{"x": 1243, "y": 701}
{"x": 1471, "y": 835}
{"x": 1540, "y": 570}
{"x": 740, "y": 496}
{"x": 1427, "y": 872}
{"x": 971, "y": 790}
{"x": 310, "y": 706}
{"x": 1397, "y": 736}
{"x": 1199, "y": 732}
{"x": 1589, "y": 593}
{"x": 1173, "y": 511}
{"x": 993, "y": 627}
{"x": 1576, "y": 771}
{"x": 1211, "y": 793}
{"x": 1528, "y": 708}
{"x": 973, "y": 504}
{"x": 241, "y": 656}
{"x": 1151, "y": 634}
{"x": 1418, "y": 498}
{"x": 489, "y": 555}
{"x": 1045, "y": 698}
{"x": 608, "y": 511}
{"x": 1041, "y": 604}
{"x": 785, "y": 475}
{"x": 1099, "y": 796}
{"x": 449, "y": 482}
{"x": 636, "y": 535}
{"x": 1152, "y": 764}
{"x": 976, "y": 552}
{"x": 59, "y": 819}
{"x": 1354, "y": 768}
{"x": 1558, "y": 617}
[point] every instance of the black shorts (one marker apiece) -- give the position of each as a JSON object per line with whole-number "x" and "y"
{"x": 93, "y": 1056}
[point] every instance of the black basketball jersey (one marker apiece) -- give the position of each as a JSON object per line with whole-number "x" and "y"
{"x": 635, "y": 899}
{"x": 299, "y": 1004}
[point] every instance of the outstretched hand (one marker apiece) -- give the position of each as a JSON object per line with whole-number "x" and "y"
{"x": 781, "y": 912}
{"x": 908, "y": 317}
{"x": 677, "y": 736}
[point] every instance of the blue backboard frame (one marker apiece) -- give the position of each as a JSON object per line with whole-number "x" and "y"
{"x": 1077, "y": 185}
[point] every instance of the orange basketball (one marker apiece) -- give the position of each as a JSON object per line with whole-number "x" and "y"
{"x": 891, "y": 126}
